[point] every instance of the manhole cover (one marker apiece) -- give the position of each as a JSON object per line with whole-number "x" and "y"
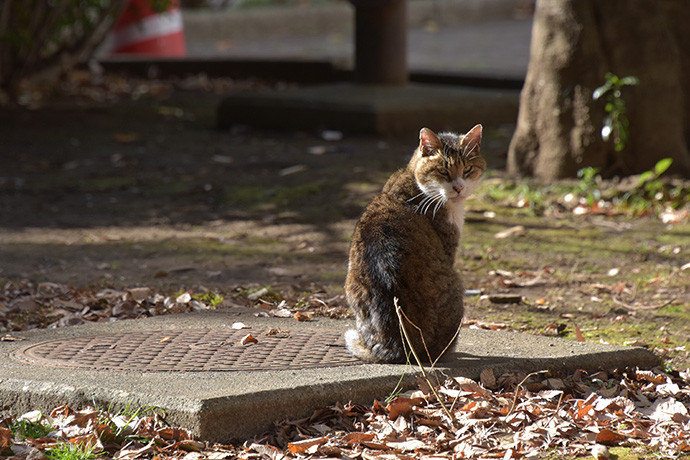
{"x": 193, "y": 350}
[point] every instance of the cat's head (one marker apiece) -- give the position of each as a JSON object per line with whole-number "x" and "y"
{"x": 447, "y": 166}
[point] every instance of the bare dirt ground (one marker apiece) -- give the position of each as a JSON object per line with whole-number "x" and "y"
{"x": 147, "y": 193}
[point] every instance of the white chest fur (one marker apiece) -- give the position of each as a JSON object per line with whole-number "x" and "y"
{"x": 456, "y": 213}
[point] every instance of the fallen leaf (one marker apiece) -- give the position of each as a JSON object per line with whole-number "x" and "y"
{"x": 663, "y": 410}
{"x": 487, "y": 378}
{"x": 511, "y": 232}
{"x": 5, "y": 439}
{"x": 357, "y": 437}
{"x": 280, "y": 333}
{"x": 610, "y": 437}
{"x": 301, "y": 446}
{"x": 269, "y": 451}
{"x": 402, "y": 406}
{"x": 407, "y": 446}
{"x": 375, "y": 445}
{"x": 301, "y": 316}
{"x": 248, "y": 339}
{"x": 139, "y": 294}
{"x": 280, "y": 313}
{"x": 650, "y": 377}
{"x": 11, "y": 338}
{"x": 240, "y": 325}
{"x": 130, "y": 454}
{"x": 505, "y": 298}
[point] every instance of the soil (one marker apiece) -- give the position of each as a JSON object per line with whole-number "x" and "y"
{"x": 147, "y": 192}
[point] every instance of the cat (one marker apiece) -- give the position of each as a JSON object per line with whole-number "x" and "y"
{"x": 404, "y": 247}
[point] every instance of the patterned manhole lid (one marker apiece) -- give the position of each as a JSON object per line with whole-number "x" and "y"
{"x": 193, "y": 350}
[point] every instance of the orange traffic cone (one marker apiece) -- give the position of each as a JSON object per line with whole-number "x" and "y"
{"x": 141, "y": 30}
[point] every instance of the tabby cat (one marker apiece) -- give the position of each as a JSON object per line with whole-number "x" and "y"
{"x": 404, "y": 247}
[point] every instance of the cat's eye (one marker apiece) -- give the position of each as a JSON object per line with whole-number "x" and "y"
{"x": 445, "y": 173}
{"x": 467, "y": 170}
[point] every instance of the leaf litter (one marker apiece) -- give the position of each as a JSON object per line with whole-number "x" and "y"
{"x": 519, "y": 417}
{"x": 26, "y": 305}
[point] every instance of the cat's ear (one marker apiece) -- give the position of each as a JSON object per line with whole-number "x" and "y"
{"x": 429, "y": 143}
{"x": 472, "y": 141}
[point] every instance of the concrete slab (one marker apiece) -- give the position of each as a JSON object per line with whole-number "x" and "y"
{"x": 222, "y": 406}
{"x": 379, "y": 110}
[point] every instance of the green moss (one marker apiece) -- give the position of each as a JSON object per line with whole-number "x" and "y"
{"x": 103, "y": 184}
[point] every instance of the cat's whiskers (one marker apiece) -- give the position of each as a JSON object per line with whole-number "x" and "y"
{"x": 436, "y": 198}
{"x": 440, "y": 203}
{"x": 416, "y": 196}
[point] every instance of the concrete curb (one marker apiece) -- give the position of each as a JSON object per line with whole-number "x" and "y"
{"x": 224, "y": 406}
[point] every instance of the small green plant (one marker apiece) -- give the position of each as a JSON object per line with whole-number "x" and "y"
{"x": 616, "y": 123}
{"x": 209, "y": 298}
{"x": 650, "y": 189}
{"x": 589, "y": 184}
{"x": 123, "y": 423}
{"x": 71, "y": 451}
{"x": 31, "y": 429}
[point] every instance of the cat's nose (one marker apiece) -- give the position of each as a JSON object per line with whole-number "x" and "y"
{"x": 457, "y": 188}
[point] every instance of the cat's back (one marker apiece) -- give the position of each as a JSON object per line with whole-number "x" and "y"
{"x": 391, "y": 233}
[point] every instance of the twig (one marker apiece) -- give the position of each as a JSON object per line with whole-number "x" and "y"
{"x": 421, "y": 334}
{"x": 452, "y": 341}
{"x": 517, "y": 389}
{"x": 641, "y": 307}
{"x": 399, "y": 312}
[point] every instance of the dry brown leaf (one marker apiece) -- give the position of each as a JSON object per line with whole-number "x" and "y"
{"x": 302, "y": 316}
{"x": 280, "y": 333}
{"x": 402, "y": 406}
{"x": 487, "y": 378}
{"x": 11, "y": 338}
{"x": 248, "y": 339}
{"x": 374, "y": 445}
{"x": 301, "y": 446}
{"x": 139, "y": 294}
{"x": 5, "y": 439}
{"x": 357, "y": 437}
{"x": 650, "y": 377}
{"x": 409, "y": 445}
{"x": 131, "y": 454}
{"x": 609, "y": 437}
{"x": 267, "y": 450}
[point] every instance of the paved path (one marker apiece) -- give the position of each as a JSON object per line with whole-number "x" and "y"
{"x": 493, "y": 46}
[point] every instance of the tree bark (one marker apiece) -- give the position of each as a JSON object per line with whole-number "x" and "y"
{"x": 574, "y": 44}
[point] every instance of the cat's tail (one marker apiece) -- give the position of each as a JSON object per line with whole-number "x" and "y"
{"x": 358, "y": 348}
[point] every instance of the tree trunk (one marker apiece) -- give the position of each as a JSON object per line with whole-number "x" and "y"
{"x": 574, "y": 44}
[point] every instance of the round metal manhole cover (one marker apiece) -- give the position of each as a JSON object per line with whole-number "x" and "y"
{"x": 193, "y": 350}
